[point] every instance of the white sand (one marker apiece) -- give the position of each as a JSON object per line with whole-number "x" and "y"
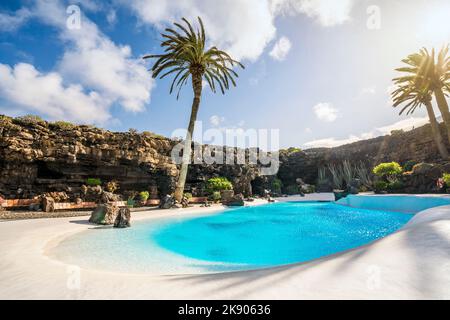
{"x": 413, "y": 263}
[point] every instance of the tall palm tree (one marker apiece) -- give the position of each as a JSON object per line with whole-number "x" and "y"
{"x": 185, "y": 55}
{"x": 415, "y": 93}
{"x": 432, "y": 73}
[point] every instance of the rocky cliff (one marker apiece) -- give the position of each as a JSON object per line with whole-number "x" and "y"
{"x": 37, "y": 157}
{"x": 416, "y": 145}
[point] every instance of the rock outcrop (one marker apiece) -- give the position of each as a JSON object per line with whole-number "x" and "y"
{"x": 38, "y": 157}
{"x": 104, "y": 214}
{"x": 123, "y": 219}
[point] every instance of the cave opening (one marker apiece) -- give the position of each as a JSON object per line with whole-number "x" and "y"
{"x": 45, "y": 172}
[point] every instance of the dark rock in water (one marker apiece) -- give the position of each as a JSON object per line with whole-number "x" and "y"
{"x": 48, "y": 204}
{"x": 339, "y": 194}
{"x": 167, "y": 202}
{"x": 123, "y": 218}
{"x": 236, "y": 201}
{"x": 104, "y": 214}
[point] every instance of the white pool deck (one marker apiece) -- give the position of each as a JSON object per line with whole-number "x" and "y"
{"x": 413, "y": 263}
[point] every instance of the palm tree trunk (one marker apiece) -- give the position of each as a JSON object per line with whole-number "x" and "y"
{"x": 436, "y": 131}
{"x": 197, "y": 86}
{"x": 443, "y": 107}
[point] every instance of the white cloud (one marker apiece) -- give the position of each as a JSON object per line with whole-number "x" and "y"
{"x": 325, "y": 112}
{"x": 242, "y": 27}
{"x": 10, "y": 22}
{"x": 111, "y": 17}
{"x": 90, "y": 60}
{"x": 216, "y": 120}
{"x": 326, "y": 12}
{"x": 45, "y": 93}
{"x": 281, "y": 49}
{"x": 330, "y": 142}
{"x": 405, "y": 124}
{"x": 93, "y": 60}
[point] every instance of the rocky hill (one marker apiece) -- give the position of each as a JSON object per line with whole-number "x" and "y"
{"x": 38, "y": 156}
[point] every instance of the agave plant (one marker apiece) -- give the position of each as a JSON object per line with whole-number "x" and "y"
{"x": 186, "y": 57}
{"x": 364, "y": 175}
{"x": 322, "y": 176}
{"x": 337, "y": 176}
{"x": 348, "y": 172}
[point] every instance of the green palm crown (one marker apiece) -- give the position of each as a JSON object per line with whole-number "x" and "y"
{"x": 185, "y": 56}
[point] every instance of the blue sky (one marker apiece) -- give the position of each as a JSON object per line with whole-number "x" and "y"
{"x": 318, "y": 70}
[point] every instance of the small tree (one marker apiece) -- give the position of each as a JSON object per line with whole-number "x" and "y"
{"x": 388, "y": 171}
{"x": 276, "y": 186}
{"x": 218, "y": 184}
{"x": 93, "y": 181}
{"x": 144, "y": 195}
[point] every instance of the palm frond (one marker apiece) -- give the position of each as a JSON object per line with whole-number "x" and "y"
{"x": 185, "y": 55}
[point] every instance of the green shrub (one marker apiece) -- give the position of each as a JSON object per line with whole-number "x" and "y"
{"x": 218, "y": 184}
{"x": 188, "y": 195}
{"x": 144, "y": 195}
{"x": 446, "y": 178}
{"x": 153, "y": 135}
{"x": 388, "y": 170}
{"x": 276, "y": 185}
{"x": 408, "y": 166}
{"x": 291, "y": 150}
{"x": 215, "y": 196}
{"x": 380, "y": 186}
{"x": 63, "y": 125}
{"x": 93, "y": 181}
{"x": 395, "y": 186}
{"x": 30, "y": 119}
{"x": 397, "y": 132}
{"x": 292, "y": 189}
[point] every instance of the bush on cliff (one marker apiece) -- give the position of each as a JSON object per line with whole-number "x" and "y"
{"x": 276, "y": 186}
{"x": 63, "y": 125}
{"x": 93, "y": 181}
{"x": 29, "y": 119}
{"x": 380, "y": 186}
{"x": 216, "y": 196}
{"x": 218, "y": 184}
{"x": 388, "y": 171}
{"x": 144, "y": 195}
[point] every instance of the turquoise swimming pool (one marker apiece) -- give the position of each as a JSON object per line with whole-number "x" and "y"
{"x": 234, "y": 239}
